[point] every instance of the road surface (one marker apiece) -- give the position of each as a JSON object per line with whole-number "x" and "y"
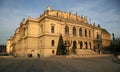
{"x": 59, "y": 64}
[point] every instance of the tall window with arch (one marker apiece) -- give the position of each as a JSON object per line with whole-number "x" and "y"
{"x": 81, "y": 44}
{"x": 66, "y": 30}
{"x": 26, "y": 30}
{"x": 97, "y": 35}
{"x": 23, "y": 31}
{"x": 85, "y": 33}
{"x": 74, "y": 31}
{"x": 41, "y": 28}
{"x": 86, "y": 45}
{"x": 89, "y": 33}
{"x": 90, "y": 45}
{"x": 80, "y": 32}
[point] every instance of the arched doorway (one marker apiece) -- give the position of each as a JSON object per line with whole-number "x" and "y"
{"x": 86, "y": 45}
{"x": 90, "y": 45}
{"x": 81, "y": 44}
{"x": 98, "y": 46}
{"x": 74, "y": 47}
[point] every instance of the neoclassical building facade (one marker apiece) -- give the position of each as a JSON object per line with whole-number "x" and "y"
{"x": 41, "y": 35}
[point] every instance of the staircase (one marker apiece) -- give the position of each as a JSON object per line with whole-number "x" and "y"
{"x": 85, "y": 52}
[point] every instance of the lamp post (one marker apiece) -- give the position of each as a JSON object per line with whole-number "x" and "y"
{"x": 67, "y": 42}
{"x": 32, "y": 51}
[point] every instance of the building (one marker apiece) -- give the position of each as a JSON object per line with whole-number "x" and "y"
{"x": 106, "y": 38}
{"x": 41, "y": 35}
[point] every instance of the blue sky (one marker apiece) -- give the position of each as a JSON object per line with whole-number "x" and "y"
{"x": 103, "y": 12}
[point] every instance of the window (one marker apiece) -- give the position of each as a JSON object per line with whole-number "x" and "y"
{"x": 81, "y": 44}
{"x": 90, "y": 44}
{"x": 80, "y": 32}
{"x": 23, "y": 33}
{"x": 85, "y": 33}
{"x": 41, "y": 28}
{"x": 97, "y": 36}
{"x": 74, "y": 31}
{"x": 52, "y": 29}
{"x": 52, "y": 43}
{"x": 53, "y": 51}
{"x": 86, "y": 45}
{"x": 66, "y": 30}
{"x": 89, "y": 33}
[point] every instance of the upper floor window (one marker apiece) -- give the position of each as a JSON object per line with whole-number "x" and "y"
{"x": 97, "y": 36}
{"x": 66, "y": 30}
{"x": 41, "y": 28}
{"x": 85, "y": 33}
{"x": 23, "y": 32}
{"x": 80, "y": 32}
{"x": 52, "y": 29}
{"x": 74, "y": 31}
{"x": 89, "y": 33}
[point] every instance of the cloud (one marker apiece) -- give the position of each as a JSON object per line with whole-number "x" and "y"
{"x": 107, "y": 16}
{"x": 10, "y": 19}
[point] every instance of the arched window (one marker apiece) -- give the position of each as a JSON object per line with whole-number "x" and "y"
{"x": 80, "y": 32}
{"x": 66, "y": 30}
{"x": 23, "y": 32}
{"x": 97, "y": 36}
{"x": 90, "y": 45}
{"x": 74, "y": 31}
{"x": 85, "y": 33}
{"x": 41, "y": 28}
{"x": 81, "y": 44}
{"x": 89, "y": 33}
{"x": 86, "y": 45}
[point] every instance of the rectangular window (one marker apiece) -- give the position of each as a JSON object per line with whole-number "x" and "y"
{"x": 41, "y": 28}
{"x": 52, "y": 29}
{"x": 85, "y": 33}
{"x": 53, "y": 51}
{"x": 52, "y": 43}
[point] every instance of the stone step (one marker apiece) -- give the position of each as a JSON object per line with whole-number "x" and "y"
{"x": 87, "y": 56}
{"x": 85, "y": 51}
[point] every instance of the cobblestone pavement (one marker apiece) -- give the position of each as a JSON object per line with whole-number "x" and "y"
{"x": 59, "y": 64}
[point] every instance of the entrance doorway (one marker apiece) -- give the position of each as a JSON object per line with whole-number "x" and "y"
{"x": 81, "y": 44}
{"x": 74, "y": 47}
{"x": 86, "y": 45}
{"x": 90, "y": 45}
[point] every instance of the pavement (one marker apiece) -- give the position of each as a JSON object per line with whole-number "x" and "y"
{"x": 59, "y": 64}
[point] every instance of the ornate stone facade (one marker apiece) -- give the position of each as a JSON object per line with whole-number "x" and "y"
{"x": 41, "y": 35}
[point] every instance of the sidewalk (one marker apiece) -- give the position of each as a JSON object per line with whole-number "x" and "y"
{"x": 87, "y": 56}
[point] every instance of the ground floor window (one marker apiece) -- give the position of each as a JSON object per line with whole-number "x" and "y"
{"x": 52, "y": 43}
{"x": 53, "y": 51}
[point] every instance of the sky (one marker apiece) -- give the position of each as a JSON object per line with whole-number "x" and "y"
{"x": 103, "y": 12}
